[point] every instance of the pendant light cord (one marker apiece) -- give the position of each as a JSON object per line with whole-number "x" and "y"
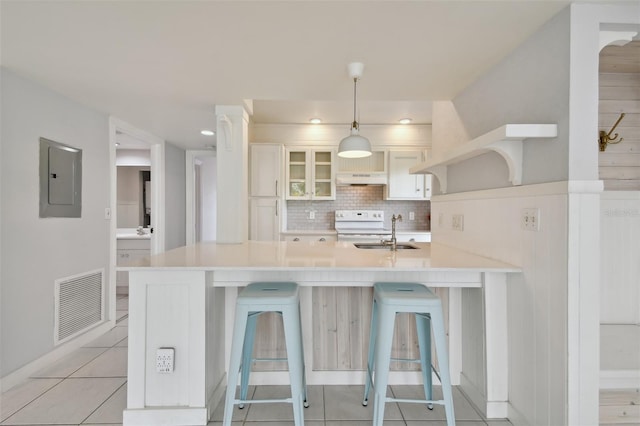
{"x": 354, "y": 125}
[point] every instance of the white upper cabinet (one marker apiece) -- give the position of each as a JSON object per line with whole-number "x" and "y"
{"x": 266, "y": 170}
{"x": 405, "y": 186}
{"x": 310, "y": 174}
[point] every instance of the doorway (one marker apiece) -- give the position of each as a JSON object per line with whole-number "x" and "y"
{"x": 138, "y": 158}
{"x": 201, "y": 196}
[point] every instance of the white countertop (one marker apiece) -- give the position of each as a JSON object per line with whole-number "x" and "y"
{"x": 132, "y": 234}
{"x": 333, "y": 232}
{"x": 301, "y": 255}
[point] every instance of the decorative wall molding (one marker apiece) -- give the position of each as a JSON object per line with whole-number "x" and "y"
{"x": 506, "y": 140}
{"x": 539, "y": 189}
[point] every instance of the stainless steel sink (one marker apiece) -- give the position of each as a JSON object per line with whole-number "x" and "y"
{"x": 399, "y": 246}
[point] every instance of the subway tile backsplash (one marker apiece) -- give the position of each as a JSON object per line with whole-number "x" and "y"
{"x": 356, "y": 198}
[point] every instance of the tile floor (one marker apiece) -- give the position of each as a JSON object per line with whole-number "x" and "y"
{"x": 88, "y": 387}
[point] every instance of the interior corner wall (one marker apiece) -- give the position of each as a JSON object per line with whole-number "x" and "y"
{"x": 35, "y": 251}
{"x": 447, "y": 131}
{"x": 530, "y": 85}
{"x": 175, "y": 197}
{"x": 536, "y": 299}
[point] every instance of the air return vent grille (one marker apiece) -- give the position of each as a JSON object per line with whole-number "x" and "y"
{"x": 79, "y": 304}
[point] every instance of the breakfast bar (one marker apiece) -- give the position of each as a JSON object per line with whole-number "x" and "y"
{"x": 184, "y": 299}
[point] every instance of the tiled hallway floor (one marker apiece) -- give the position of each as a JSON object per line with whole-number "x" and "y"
{"x": 88, "y": 387}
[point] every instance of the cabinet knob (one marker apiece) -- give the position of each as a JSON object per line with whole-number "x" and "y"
{"x": 413, "y": 240}
{"x": 322, "y": 239}
{"x": 296, "y": 239}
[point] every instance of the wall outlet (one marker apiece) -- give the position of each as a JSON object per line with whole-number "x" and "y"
{"x": 164, "y": 360}
{"x": 457, "y": 222}
{"x": 531, "y": 219}
{"x": 412, "y": 215}
{"x": 440, "y": 220}
{"x": 312, "y": 215}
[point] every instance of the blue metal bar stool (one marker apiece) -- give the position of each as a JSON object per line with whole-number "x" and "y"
{"x": 254, "y": 300}
{"x": 390, "y": 299}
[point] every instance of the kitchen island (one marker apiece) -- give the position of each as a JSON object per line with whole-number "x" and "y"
{"x": 185, "y": 299}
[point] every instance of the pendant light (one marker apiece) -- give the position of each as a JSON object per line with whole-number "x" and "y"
{"x": 354, "y": 145}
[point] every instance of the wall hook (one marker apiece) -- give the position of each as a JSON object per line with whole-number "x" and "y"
{"x": 606, "y": 138}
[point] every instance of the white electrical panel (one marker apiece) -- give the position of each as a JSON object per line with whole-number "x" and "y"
{"x": 164, "y": 360}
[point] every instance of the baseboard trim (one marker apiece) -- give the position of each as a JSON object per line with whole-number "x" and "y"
{"x": 165, "y": 416}
{"x": 216, "y": 396}
{"x": 619, "y": 379}
{"x": 23, "y": 373}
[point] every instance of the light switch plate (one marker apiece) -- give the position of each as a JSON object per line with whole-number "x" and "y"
{"x": 457, "y": 222}
{"x": 531, "y": 219}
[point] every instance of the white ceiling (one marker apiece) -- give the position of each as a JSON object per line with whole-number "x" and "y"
{"x": 163, "y": 66}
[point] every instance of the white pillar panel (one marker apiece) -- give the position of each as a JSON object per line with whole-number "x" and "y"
{"x": 232, "y": 173}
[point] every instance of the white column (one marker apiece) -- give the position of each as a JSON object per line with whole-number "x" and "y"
{"x": 232, "y": 154}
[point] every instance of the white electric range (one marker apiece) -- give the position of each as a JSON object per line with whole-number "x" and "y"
{"x": 361, "y": 225}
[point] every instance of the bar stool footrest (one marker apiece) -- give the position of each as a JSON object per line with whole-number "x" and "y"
{"x": 269, "y": 359}
{"x": 415, "y": 401}
{"x": 261, "y": 401}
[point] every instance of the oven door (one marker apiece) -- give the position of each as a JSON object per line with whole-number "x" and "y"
{"x": 362, "y": 238}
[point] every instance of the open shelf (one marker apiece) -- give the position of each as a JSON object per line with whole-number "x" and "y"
{"x": 505, "y": 140}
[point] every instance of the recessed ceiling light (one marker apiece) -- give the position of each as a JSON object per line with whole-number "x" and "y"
{"x": 404, "y": 121}
{"x": 208, "y": 132}
{"x": 315, "y": 121}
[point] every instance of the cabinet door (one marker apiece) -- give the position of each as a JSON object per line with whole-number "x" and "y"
{"x": 403, "y": 185}
{"x": 266, "y": 170}
{"x": 323, "y": 176}
{"x": 265, "y": 219}
{"x": 307, "y": 237}
{"x": 298, "y": 175}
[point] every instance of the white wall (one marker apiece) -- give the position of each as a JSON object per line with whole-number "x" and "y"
{"x": 531, "y": 85}
{"x": 35, "y": 251}
{"x": 208, "y": 190}
{"x": 537, "y": 299}
{"x": 133, "y": 157}
{"x": 329, "y": 135}
{"x": 554, "y": 306}
{"x": 620, "y": 251}
{"x": 175, "y": 197}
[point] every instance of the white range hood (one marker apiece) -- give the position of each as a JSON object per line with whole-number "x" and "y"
{"x": 361, "y": 178}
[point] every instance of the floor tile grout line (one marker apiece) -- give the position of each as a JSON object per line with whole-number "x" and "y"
{"x": 324, "y": 406}
{"x": 60, "y": 380}
{"x": 95, "y": 377}
{"x": 86, "y": 363}
{"x": 104, "y": 402}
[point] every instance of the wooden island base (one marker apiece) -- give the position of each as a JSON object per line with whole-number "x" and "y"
{"x": 185, "y": 299}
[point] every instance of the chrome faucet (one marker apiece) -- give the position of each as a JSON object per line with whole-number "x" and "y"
{"x": 393, "y": 242}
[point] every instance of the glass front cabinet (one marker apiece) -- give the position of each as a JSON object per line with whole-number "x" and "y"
{"x": 310, "y": 174}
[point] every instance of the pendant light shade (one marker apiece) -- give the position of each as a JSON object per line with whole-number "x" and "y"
{"x": 354, "y": 145}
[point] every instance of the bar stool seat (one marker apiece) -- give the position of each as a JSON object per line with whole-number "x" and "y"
{"x": 390, "y": 299}
{"x": 254, "y": 300}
